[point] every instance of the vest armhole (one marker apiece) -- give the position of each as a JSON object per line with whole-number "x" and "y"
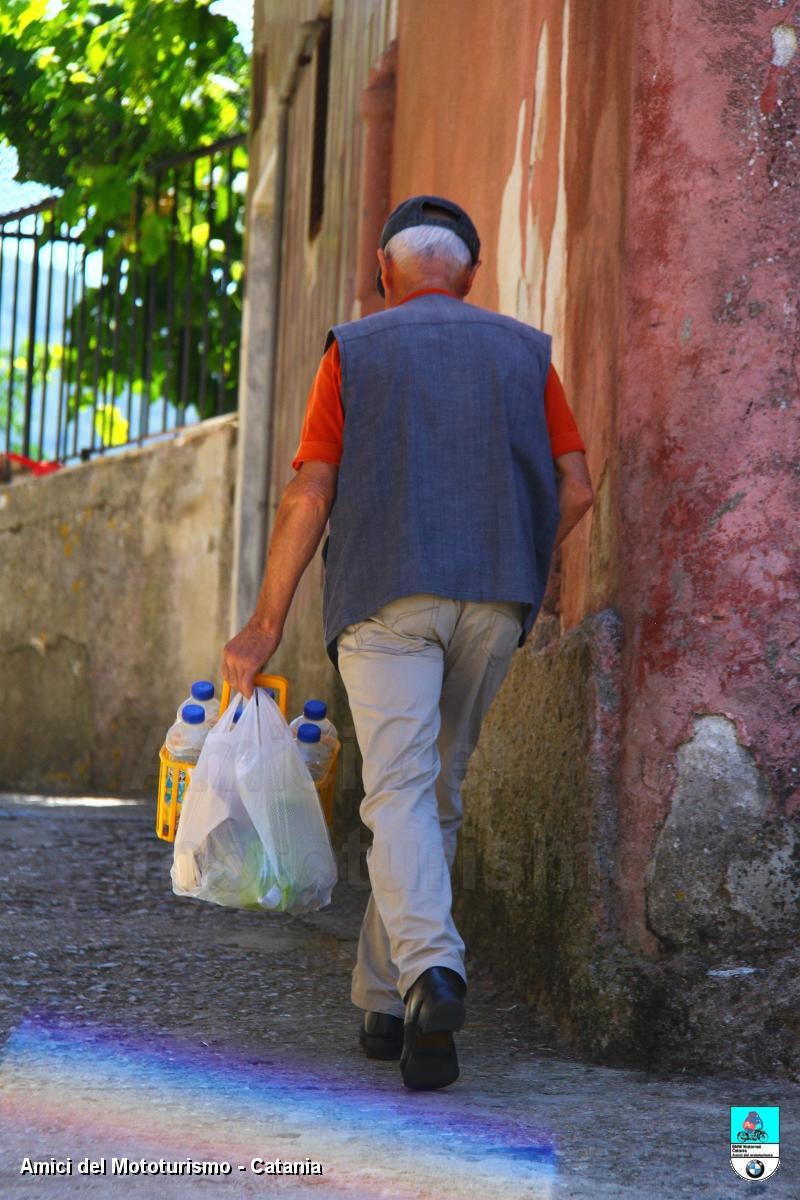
{"x": 329, "y": 340}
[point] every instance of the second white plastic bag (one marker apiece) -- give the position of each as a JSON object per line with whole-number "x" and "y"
{"x": 252, "y": 833}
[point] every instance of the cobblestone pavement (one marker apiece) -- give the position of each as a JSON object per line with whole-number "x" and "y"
{"x": 137, "y": 1025}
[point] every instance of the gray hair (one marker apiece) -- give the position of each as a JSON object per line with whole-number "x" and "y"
{"x": 429, "y": 243}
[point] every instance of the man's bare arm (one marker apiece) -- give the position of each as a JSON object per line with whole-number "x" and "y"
{"x": 302, "y": 516}
{"x": 575, "y": 495}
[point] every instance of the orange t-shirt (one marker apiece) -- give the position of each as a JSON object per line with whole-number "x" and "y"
{"x": 322, "y": 434}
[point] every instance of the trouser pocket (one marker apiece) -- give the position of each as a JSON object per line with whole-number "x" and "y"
{"x": 403, "y": 625}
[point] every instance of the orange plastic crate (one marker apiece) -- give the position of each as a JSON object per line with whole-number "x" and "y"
{"x": 174, "y": 776}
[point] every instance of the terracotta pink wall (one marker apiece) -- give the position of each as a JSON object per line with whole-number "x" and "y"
{"x": 632, "y": 172}
{"x": 708, "y": 501}
{"x": 521, "y": 112}
{"x": 456, "y": 125}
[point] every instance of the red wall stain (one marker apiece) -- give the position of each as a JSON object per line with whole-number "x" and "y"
{"x": 769, "y": 96}
{"x": 711, "y": 341}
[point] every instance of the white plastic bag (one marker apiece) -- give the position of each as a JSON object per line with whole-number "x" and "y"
{"x": 252, "y": 833}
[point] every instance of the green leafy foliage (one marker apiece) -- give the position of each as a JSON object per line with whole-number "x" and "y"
{"x": 98, "y": 98}
{"x": 93, "y": 95}
{"x": 169, "y": 329}
{"x": 46, "y": 363}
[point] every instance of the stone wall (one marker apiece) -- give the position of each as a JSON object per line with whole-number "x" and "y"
{"x": 115, "y": 585}
{"x": 535, "y": 878}
{"x": 538, "y": 891}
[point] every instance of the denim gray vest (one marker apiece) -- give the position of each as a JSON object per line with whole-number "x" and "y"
{"x": 446, "y": 483}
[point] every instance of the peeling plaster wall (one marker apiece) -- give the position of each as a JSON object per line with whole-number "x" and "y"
{"x": 531, "y": 238}
{"x": 115, "y": 586}
{"x": 708, "y": 467}
{"x": 521, "y": 112}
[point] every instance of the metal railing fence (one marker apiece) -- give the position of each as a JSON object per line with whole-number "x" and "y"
{"x": 131, "y": 337}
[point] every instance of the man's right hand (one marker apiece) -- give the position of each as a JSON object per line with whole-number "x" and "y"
{"x": 246, "y": 655}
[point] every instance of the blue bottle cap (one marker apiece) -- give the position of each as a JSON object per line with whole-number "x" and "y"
{"x": 315, "y": 710}
{"x": 193, "y": 714}
{"x": 203, "y": 690}
{"x": 309, "y": 733}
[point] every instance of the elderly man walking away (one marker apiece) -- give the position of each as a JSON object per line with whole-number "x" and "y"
{"x": 439, "y": 443}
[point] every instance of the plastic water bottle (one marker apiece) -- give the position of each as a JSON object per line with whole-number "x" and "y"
{"x": 315, "y": 712}
{"x": 202, "y": 692}
{"x": 316, "y": 750}
{"x": 185, "y": 738}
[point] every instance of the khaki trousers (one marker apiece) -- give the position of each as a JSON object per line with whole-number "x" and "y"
{"x": 420, "y": 675}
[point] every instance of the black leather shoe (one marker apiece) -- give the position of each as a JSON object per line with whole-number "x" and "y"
{"x": 381, "y": 1035}
{"x": 434, "y": 1011}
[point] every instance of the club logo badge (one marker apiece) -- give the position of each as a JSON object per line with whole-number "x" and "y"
{"x": 755, "y": 1141}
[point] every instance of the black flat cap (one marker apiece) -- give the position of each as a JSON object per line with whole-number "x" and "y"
{"x": 430, "y": 210}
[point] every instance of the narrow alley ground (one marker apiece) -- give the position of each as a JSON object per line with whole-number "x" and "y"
{"x": 138, "y": 1025}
